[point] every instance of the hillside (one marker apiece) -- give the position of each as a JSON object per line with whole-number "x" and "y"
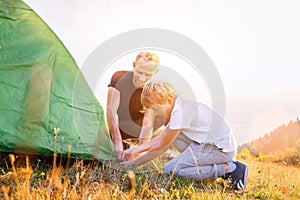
{"x": 285, "y": 136}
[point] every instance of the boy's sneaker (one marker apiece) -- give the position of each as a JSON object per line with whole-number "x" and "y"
{"x": 238, "y": 178}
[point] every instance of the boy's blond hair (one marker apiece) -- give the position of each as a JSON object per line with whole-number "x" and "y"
{"x": 157, "y": 92}
{"x": 148, "y": 57}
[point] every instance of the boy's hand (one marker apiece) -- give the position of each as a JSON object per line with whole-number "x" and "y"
{"x": 128, "y": 155}
{"x": 127, "y": 164}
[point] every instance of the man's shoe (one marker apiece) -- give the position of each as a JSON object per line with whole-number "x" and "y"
{"x": 238, "y": 178}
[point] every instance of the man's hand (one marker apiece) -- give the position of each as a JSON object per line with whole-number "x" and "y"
{"x": 119, "y": 152}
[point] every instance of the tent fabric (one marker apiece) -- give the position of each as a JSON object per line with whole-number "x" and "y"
{"x": 41, "y": 89}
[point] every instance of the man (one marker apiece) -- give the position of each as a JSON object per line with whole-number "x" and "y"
{"x": 124, "y": 114}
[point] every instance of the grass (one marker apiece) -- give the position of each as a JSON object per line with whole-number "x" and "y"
{"x": 25, "y": 177}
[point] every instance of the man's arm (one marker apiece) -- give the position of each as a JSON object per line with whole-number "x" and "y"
{"x": 147, "y": 127}
{"x": 113, "y": 102}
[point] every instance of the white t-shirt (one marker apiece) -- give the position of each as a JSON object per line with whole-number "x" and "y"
{"x": 201, "y": 124}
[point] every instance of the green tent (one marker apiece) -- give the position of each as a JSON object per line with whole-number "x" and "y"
{"x": 42, "y": 88}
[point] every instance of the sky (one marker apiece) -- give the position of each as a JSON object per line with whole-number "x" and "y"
{"x": 253, "y": 44}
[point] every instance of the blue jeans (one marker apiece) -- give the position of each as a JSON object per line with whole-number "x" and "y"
{"x": 200, "y": 162}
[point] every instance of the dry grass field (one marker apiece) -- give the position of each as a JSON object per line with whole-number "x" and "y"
{"x": 35, "y": 178}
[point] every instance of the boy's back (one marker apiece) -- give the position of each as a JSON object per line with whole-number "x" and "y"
{"x": 201, "y": 124}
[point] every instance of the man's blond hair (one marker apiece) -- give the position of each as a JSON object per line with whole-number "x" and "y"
{"x": 149, "y": 57}
{"x": 157, "y": 92}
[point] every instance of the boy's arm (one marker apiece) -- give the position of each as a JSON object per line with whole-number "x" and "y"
{"x": 147, "y": 127}
{"x": 154, "y": 148}
{"x": 141, "y": 148}
{"x": 150, "y": 155}
{"x": 113, "y": 102}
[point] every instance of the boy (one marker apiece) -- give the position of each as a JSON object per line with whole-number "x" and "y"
{"x": 203, "y": 137}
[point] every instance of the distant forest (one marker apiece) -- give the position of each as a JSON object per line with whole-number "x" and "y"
{"x": 282, "y": 138}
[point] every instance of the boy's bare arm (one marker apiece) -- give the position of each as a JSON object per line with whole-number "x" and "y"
{"x": 154, "y": 148}
{"x": 150, "y": 155}
{"x": 113, "y": 102}
{"x": 132, "y": 152}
